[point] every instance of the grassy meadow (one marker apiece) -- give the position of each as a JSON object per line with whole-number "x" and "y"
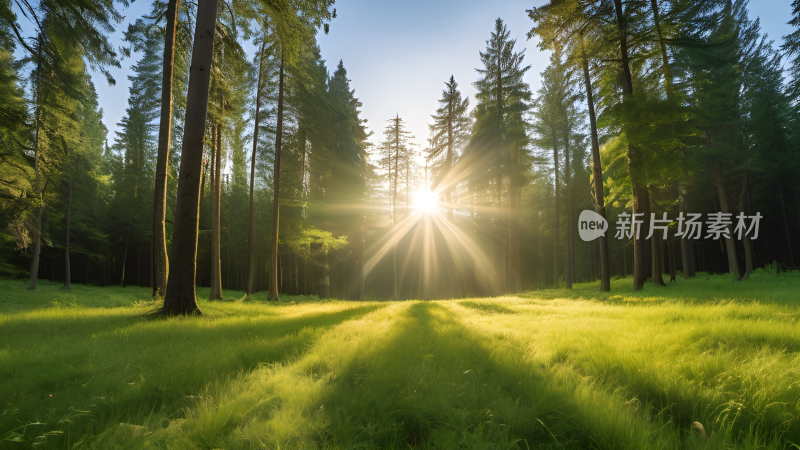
{"x": 700, "y": 364}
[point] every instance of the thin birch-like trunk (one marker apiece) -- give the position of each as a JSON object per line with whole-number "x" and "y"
{"x": 160, "y": 260}
{"x": 276, "y": 208}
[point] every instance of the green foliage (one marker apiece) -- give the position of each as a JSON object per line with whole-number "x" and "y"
{"x": 312, "y": 237}
{"x": 396, "y": 157}
{"x": 83, "y": 25}
{"x": 791, "y": 47}
{"x": 450, "y": 131}
{"x": 499, "y": 134}
{"x": 91, "y": 189}
{"x": 15, "y": 138}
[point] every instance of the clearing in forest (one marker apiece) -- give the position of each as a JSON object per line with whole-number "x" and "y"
{"x": 699, "y": 364}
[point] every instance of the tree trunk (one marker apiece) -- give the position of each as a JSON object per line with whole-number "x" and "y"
{"x": 597, "y": 178}
{"x": 744, "y": 207}
{"x": 276, "y": 207}
{"x": 228, "y": 241}
{"x": 216, "y": 199}
{"x": 687, "y": 249}
{"x": 672, "y": 268}
{"x": 622, "y": 25}
{"x": 67, "y": 271}
{"x": 251, "y": 254}
{"x": 556, "y": 224}
{"x": 641, "y": 250}
{"x": 448, "y": 164}
{"x": 37, "y": 238}
{"x": 748, "y": 258}
{"x": 657, "y": 264}
{"x": 203, "y": 176}
{"x": 473, "y": 192}
{"x": 513, "y": 225}
{"x": 394, "y": 202}
{"x": 37, "y": 247}
{"x": 540, "y": 252}
{"x": 362, "y": 240}
{"x": 326, "y": 277}
{"x": 624, "y": 262}
{"x": 641, "y": 196}
{"x": 125, "y": 257}
{"x": 513, "y": 240}
{"x": 786, "y": 234}
{"x": 499, "y": 244}
{"x": 160, "y": 260}
{"x": 730, "y": 244}
{"x": 569, "y": 260}
{"x": 181, "y": 297}
{"x": 663, "y": 48}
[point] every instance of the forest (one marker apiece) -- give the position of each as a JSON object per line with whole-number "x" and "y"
{"x": 601, "y": 259}
{"x": 646, "y": 108}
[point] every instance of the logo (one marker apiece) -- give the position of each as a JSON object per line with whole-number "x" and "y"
{"x": 591, "y": 225}
{"x": 686, "y": 226}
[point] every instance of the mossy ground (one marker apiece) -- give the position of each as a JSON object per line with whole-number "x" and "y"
{"x": 703, "y": 363}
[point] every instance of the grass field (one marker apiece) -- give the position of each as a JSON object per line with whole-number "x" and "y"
{"x": 702, "y": 363}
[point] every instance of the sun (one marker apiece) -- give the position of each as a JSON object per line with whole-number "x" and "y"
{"x": 426, "y": 201}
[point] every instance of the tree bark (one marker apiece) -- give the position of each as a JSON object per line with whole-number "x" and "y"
{"x": 67, "y": 271}
{"x": 181, "y": 296}
{"x": 597, "y": 177}
{"x": 657, "y": 264}
{"x": 622, "y": 25}
{"x": 786, "y": 234}
{"x": 499, "y": 273}
{"x": 408, "y": 190}
{"x": 394, "y": 202}
{"x": 37, "y": 238}
{"x": 125, "y": 257}
{"x": 556, "y": 224}
{"x": 569, "y": 261}
{"x": 687, "y": 249}
{"x": 362, "y": 276}
{"x": 663, "y": 48}
{"x": 160, "y": 260}
{"x": 251, "y": 254}
{"x": 641, "y": 196}
{"x": 748, "y": 258}
{"x": 513, "y": 227}
{"x": 130, "y": 222}
{"x": 203, "y": 176}
{"x": 276, "y": 207}
{"x": 641, "y": 248}
{"x": 672, "y": 268}
{"x": 216, "y": 256}
{"x": 744, "y": 207}
{"x": 448, "y": 164}
{"x": 730, "y": 244}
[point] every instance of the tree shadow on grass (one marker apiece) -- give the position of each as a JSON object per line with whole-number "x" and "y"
{"x": 703, "y": 289}
{"x": 135, "y": 366}
{"x": 738, "y": 391}
{"x": 487, "y": 307}
{"x": 436, "y": 385}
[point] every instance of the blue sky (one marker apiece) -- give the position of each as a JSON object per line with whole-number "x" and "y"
{"x": 398, "y": 54}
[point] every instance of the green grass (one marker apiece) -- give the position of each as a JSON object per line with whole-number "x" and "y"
{"x": 94, "y": 368}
